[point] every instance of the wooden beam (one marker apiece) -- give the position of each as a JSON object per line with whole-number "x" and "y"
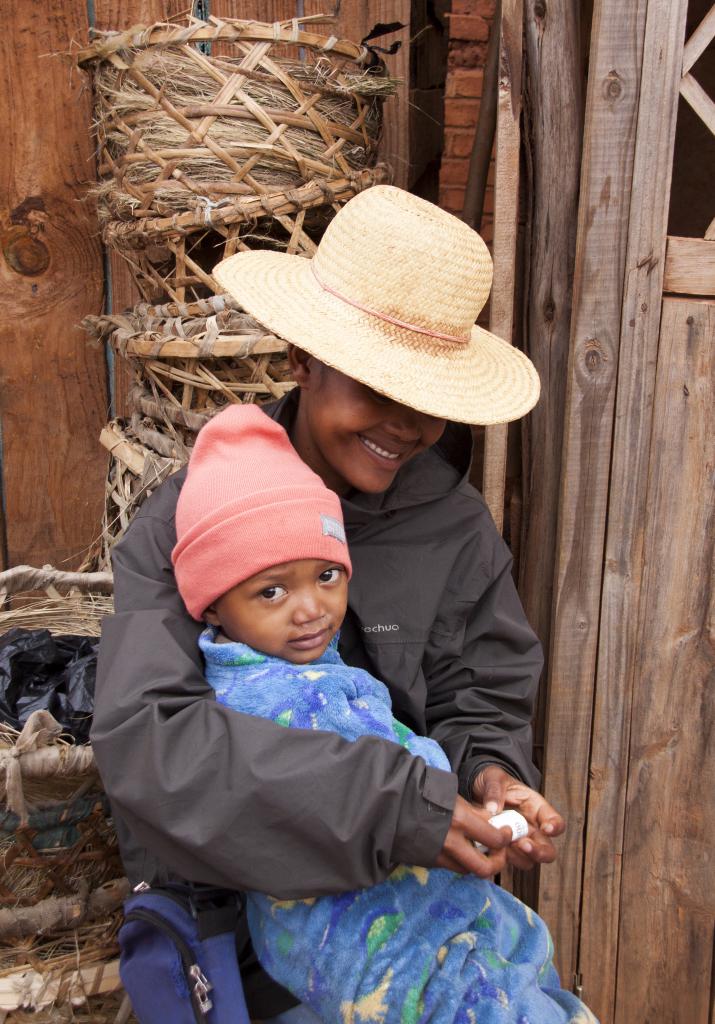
{"x": 689, "y": 266}
{"x": 621, "y": 589}
{"x": 605, "y": 195}
{"x": 506, "y": 212}
{"x": 552, "y": 134}
{"x": 699, "y": 40}
{"x": 668, "y": 900}
{"x": 692, "y": 91}
{"x": 53, "y": 386}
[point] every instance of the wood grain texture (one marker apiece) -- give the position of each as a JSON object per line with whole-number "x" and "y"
{"x": 506, "y": 209}
{"x": 617, "y": 656}
{"x": 602, "y": 231}
{"x": 668, "y": 903}
{"x": 689, "y": 266}
{"x": 553, "y": 136}
{"x": 53, "y": 389}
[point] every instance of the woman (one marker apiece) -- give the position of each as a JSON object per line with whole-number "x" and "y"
{"x": 389, "y": 369}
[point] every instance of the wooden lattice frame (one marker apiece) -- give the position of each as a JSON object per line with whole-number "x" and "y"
{"x": 690, "y": 262}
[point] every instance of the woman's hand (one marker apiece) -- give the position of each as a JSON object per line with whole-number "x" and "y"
{"x": 494, "y": 789}
{"x": 469, "y": 825}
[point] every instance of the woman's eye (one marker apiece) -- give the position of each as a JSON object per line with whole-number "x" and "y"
{"x": 375, "y": 396}
{"x": 273, "y": 593}
{"x": 330, "y": 575}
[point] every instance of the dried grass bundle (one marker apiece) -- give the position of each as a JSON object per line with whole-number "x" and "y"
{"x": 78, "y": 616}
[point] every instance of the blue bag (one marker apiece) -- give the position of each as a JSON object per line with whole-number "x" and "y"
{"x": 178, "y": 956}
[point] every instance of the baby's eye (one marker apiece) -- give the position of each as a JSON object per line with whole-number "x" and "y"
{"x": 331, "y": 575}
{"x": 273, "y": 593}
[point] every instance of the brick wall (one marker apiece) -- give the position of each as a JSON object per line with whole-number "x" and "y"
{"x": 469, "y": 26}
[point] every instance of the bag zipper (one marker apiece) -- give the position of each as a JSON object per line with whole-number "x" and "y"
{"x": 199, "y": 985}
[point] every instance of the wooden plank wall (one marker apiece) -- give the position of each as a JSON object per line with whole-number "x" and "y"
{"x": 667, "y": 906}
{"x": 606, "y": 175}
{"x": 54, "y": 389}
{"x": 626, "y": 759}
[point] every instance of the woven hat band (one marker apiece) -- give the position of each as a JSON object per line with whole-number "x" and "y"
{"x": 385, "y": 316}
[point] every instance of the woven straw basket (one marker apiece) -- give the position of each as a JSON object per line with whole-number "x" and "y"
{"x": 189, "y": 360}
{"x": 62, "y": 883}
{"x": 256, "y": 143}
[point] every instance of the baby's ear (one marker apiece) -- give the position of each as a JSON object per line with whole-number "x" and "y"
{"x": 211, "y": 617}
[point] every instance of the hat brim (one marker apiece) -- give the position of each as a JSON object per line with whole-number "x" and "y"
{"x": 483, "y": 381}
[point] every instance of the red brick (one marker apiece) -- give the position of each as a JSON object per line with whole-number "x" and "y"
{"x": 488, "y": 207}
{"x": 453, "y": 172}
{"x": 466, "y": 82}
{"x": 469, "y": 27}
{"x": 460, "y": 113}
{"x": 458, "y": 143}
{"x": 452, "y": 199}
{"x": 466, "y": 55}
{"x": 484, "y": 8}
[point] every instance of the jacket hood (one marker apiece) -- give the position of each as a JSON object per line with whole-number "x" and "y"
{"x": 428, "y": 476}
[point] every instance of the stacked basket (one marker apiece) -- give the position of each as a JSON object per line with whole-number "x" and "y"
{"x": 214, "y": 137}
{"x": 61, "y": 879}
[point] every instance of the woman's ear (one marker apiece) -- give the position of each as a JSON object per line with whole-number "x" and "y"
{"x": 302, "y": 366}
{"x": 211, "y": 617}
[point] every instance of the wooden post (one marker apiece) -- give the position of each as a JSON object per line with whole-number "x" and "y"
{"x": 553, "y": 129}
{"x": 606, "y": 178}
{"x": 619, "y": 654}
{"x": 53, "y": 388}
{"x": 506, "y": 212}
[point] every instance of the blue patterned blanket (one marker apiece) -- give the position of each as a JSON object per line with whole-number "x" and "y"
{"x": 423, "y": 946}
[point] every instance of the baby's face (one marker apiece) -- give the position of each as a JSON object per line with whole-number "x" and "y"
{"x": 291, "y": 611}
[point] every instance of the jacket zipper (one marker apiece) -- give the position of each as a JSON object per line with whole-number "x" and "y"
{"x": 199, "y": 985}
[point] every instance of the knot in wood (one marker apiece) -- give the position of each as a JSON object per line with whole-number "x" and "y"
{"x": 24, "y": 252}
{"x": 540, "y": 9}
{"x": 613, "y": 85}
{"x": 593, "y": 356}
{"x": 549, "y": 309}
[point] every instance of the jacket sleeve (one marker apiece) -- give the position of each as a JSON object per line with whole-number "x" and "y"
{"x": 228, "y": 799}
{"x": 482, "y": 682}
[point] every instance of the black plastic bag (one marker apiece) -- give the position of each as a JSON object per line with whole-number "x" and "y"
{"x": 56, "y": 673}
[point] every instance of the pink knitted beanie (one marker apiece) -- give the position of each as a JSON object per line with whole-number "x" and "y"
{"x": 249, "y": 502}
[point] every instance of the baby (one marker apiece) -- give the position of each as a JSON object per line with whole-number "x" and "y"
{"x": 261, "y": 556}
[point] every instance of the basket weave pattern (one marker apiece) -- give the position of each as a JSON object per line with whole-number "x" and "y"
{"x": 62, "y": 882}
{"x": 188, "y": 360}
{"x": 241, "y": 148}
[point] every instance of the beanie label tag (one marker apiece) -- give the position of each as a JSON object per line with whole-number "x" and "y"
{"x": 333, "y": 528}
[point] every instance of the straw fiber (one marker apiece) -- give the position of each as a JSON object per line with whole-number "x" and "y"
{"x": 257, "y": 146}
{"x": 62, "y": 884}
{"x": 189, "y": 360}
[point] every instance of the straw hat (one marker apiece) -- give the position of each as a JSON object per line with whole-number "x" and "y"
{"x": 390, "y": 299}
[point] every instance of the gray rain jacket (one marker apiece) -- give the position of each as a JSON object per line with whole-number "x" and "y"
{"x": 203, "y": 793}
